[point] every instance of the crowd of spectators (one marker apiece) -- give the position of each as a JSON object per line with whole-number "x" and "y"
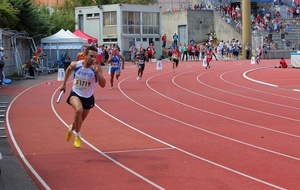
{"x": 266, "y": 20}
{"x": 196, "y": 7}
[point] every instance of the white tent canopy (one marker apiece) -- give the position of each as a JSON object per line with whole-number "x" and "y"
{"x": 63, "y": 37}
{"x": 53, "y": 46}
{"x": 70, "y": 33}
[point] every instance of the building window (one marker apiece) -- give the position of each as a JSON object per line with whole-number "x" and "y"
{"x": 150, "y": 23}
{"x": 92, "y": 15}
{"x": 110, "y": 40}
{"x": 131, "y": 22}
{"x": 110, "y": 18}
{"x": 80, "y": 22}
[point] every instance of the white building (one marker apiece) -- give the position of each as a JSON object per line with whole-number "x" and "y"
{"x": 122, "y": 24}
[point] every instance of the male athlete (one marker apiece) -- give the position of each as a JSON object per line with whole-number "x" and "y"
{"x": 87, "y": 73}
{"x": 115, "y": 65}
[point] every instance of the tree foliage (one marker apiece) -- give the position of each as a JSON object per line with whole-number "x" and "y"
{"x": 8, "y": 15}
{"x": 103, "y": 2}
{"x": 61, "y": 19}
{"x": 30, "y": 19}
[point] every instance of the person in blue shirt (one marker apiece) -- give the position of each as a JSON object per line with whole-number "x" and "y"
{"x": 192, "y": 41}
{"x": 65, "y": 59}
{"x": 115, "y": 65}
{"x": 175, "y": 39}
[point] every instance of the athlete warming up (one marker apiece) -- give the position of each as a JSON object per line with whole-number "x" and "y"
{"x": 115, "y": 65}
{"x": 140, "y": 59}
{"x": 87, "y": 73}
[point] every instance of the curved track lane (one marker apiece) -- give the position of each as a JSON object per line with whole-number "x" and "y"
{"x": 195, "y": 128}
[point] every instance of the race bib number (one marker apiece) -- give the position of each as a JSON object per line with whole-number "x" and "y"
{"x": 140, "y": 62}
{"x": 82, "y": 83}
{"x": 114, "y": 64}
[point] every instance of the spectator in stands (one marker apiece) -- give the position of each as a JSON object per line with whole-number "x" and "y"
{"x": 219, "y": 52}
{"x": 184, "y": 53}
{"x": 202, "y": 51}
{"x": 293, "y": 46}
{"x": 106, "y": 54}
{"x": 38, "y": 53}
{"x": 2, "y": 58}
{"x": 196, "y": 47}
{"x": 192, "y": 41}
{"x": 288, "y": 27}
{"x": 94, "y": 43}
{"x": 150, "y": 51}
{"x": 248, "y": 49}
{"x": 236, "y": 50}
{"x": 164, "y": 40}
{"x": 65, "y": 59}
{"x": 294, "y": 12}
{"x": 238, "y": 25}
{"x": 32, "y": 65}
{"x": 181, "y": 8}
{"x": 175, "y": 39}
{"x": 265, "y": 50}
{"x": 141, "y": 48}
{"x": 282, "y": 63}
{"x": 289, "y": 12}
{"x": 132, "y": 52}
{"x": 287, "y": 44}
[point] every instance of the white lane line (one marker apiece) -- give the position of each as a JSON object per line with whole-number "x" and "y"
{"x": 138, "y": 150}
{"x": 181, "y": 150}
{"x": 29, "y": 166}
{"x": 103, "y": 153}
{"x": 257, "y": 81}
{"x": 254, "y": 125}
{"x": 234, "y": 105}
{"x": 296, "y": 90}
{"x": 255, "y": 90}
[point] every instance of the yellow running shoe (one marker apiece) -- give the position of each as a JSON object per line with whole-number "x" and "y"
{"x": 69, "y": 133}
{"x": 77, "y": 142}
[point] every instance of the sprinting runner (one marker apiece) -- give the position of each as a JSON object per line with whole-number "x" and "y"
{"x": 87, "y": 73}
{"x": 140, "y": 59}
{"x": 115, "y": 65}
{"x": 176, "y": 56}
{"x": 259, "y": 52}
{"x": 209, "y": 55}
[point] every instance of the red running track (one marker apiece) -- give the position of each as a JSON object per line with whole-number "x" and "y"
{"x": 234, "y": 126}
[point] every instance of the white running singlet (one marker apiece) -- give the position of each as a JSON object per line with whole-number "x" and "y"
{"x": 84, "y": 81}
